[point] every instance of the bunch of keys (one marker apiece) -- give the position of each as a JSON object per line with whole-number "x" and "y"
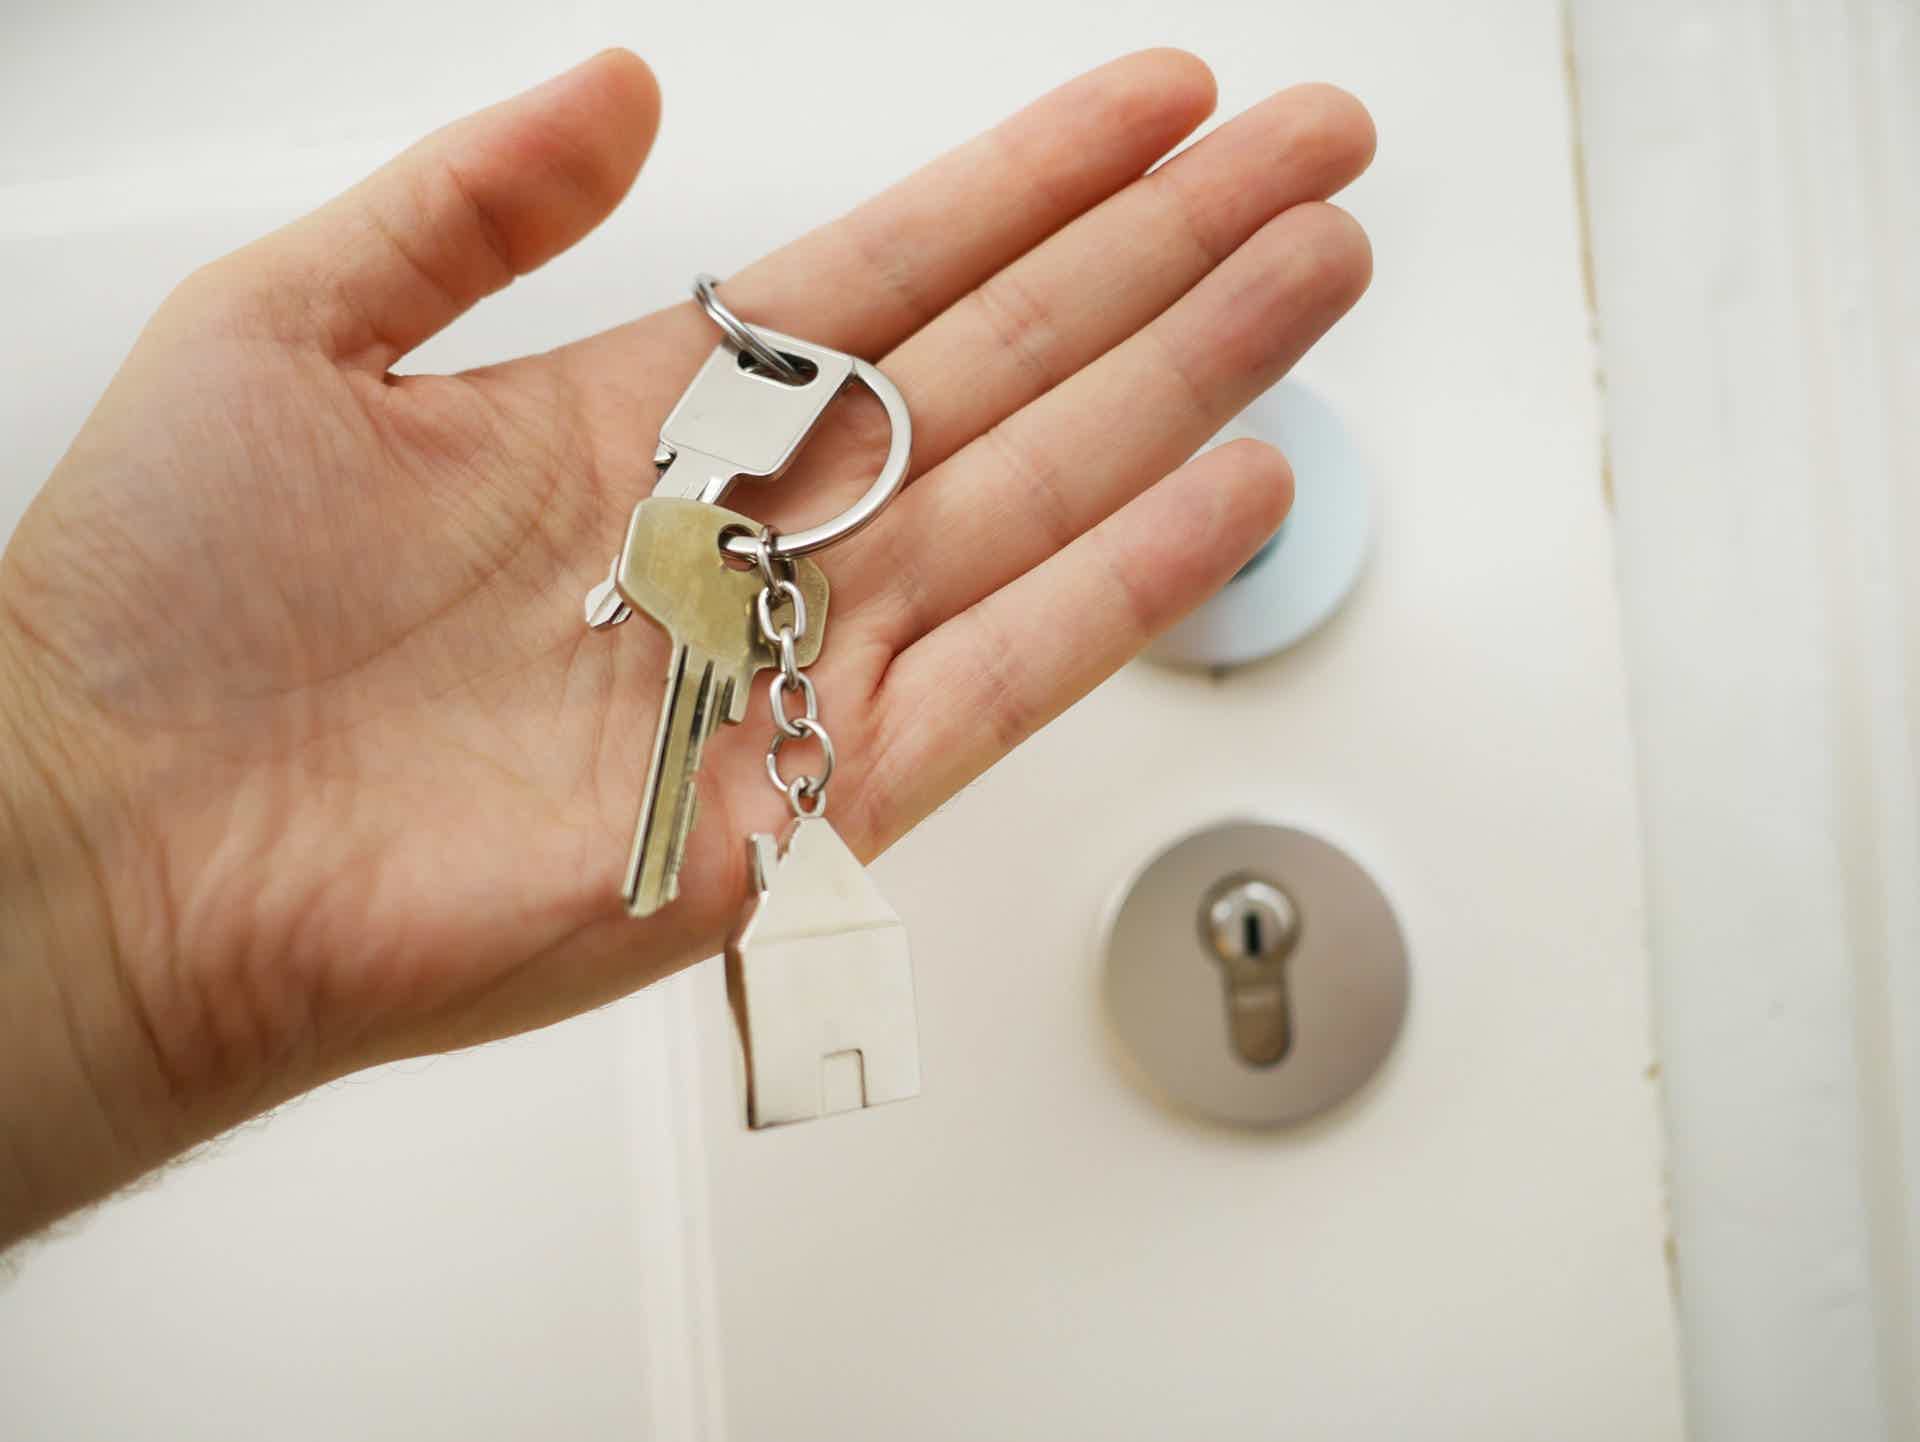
{"x": 819, "y": 977}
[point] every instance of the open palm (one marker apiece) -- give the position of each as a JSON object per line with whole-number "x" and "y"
{"x": 318, "y": 626}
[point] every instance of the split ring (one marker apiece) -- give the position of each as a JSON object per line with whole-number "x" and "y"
{"x": 893, "y": 474}
{"x": 762, "y": 345}
{"x": 742, "y": 334}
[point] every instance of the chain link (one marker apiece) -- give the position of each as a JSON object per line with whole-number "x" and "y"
{"x": 806, "y": 794}
{"x": 777, "y": 696}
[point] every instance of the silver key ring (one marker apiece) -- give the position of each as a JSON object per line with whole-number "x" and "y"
{"x": 742, "y": 334}
{"x": 893, "y": 472}
{"x": 760, "y": 343}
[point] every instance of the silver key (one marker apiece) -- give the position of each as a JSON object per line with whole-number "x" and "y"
{"x": 672, "y": 570}
{"x": 820, "y": 982}
{"x": 733, "y": 422}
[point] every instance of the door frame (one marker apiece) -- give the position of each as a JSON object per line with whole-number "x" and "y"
{"x": 1748, "y": 172}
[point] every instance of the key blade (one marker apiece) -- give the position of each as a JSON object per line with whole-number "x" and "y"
{"x": 694, "y": 706}
{"x": 696, "y": 476}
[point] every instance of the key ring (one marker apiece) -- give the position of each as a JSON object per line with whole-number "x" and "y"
{"x": 742, "y": 334}
{"x": 761, "y": 343}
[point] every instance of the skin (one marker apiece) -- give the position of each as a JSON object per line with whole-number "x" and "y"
{"x": 306, "y": 760}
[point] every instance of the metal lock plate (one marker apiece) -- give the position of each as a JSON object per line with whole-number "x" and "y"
{"x": 1256, "y": 974}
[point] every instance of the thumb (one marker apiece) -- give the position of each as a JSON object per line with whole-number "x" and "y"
{"x": 381, "y": 268}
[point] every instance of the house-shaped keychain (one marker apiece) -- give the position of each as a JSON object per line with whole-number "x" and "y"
{"x": 821, "y": 983}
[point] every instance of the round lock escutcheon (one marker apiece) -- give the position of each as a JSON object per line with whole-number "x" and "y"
{"x": 1306, "y": 572}
{"x": 1256, "y": 974}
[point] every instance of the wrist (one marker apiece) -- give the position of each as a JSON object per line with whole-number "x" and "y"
{"x": 84, "y": 1106}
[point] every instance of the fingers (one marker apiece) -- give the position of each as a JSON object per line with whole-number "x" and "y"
{"x": 381, "y": 268}
{"x": 967, "y": 694}
{"x": 883, "y": 271}
{"x": 866, "y": 281}
{"x": 1059, "y": 465}
{"x": 1087, "y": 288}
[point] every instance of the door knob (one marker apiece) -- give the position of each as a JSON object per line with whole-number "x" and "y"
{"x": 1306, "y": 571}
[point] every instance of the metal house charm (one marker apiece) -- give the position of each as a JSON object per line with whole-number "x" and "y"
{"x": 821, "y": 982}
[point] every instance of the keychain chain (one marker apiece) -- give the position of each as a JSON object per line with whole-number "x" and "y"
{"x": 806, "y": 794}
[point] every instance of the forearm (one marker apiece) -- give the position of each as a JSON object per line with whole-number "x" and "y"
{"x": 83, "y": 1106}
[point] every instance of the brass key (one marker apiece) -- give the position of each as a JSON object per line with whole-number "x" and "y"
{"x": 673, "y": 570}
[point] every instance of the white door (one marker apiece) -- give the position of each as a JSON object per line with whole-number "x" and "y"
{"x": 570, "y": 1234}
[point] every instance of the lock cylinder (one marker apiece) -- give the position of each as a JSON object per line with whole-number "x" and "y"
{"x": 1255, "y": 974}
{"x": 1250, "y": 926}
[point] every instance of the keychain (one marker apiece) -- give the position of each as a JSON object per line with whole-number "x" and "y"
{"x": 819, "y": 977}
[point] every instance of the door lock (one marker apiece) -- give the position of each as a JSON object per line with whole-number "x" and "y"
{"x": 1250, "y": 926}
{"x": 1285, "y": 933}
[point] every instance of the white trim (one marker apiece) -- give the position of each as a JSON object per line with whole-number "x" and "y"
{"x": 1750, "y": 172}
{"x": 669, "y": 1162}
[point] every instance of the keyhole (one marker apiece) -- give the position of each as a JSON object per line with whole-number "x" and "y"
{"x": 1249, "y": 927}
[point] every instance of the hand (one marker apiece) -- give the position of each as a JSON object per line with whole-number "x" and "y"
{"x": 317, "y": 765}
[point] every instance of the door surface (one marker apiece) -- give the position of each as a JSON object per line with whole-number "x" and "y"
{"x": 571, "y": 1234}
